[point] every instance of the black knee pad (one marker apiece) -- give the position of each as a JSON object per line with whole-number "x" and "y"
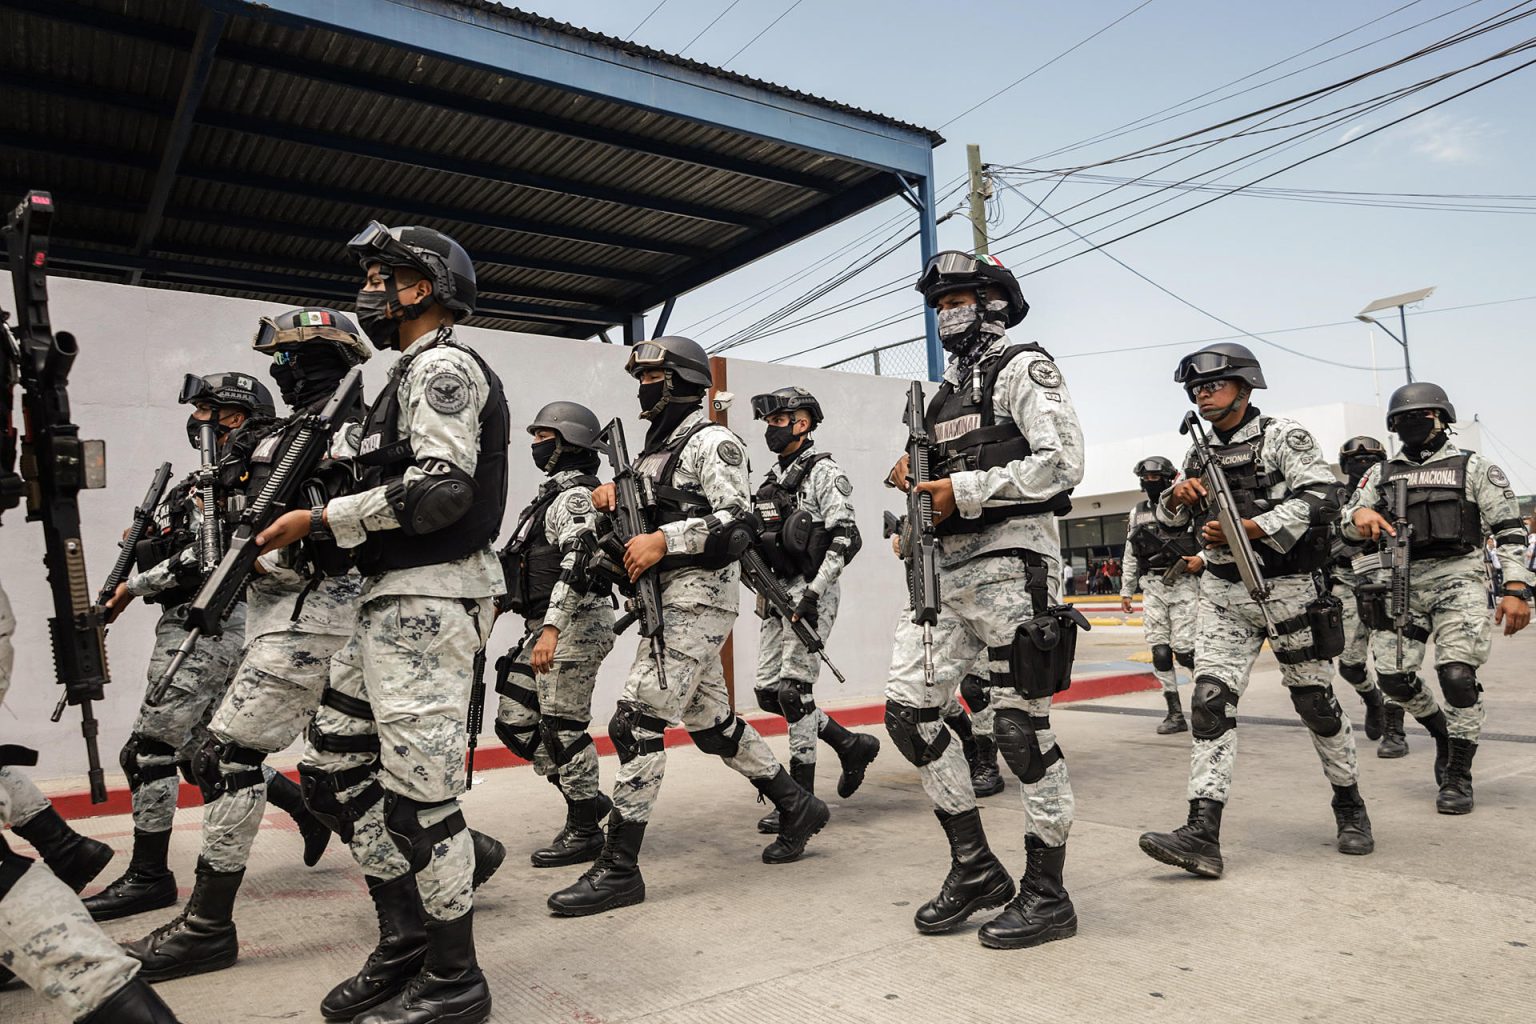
{"x": 550, "y": 728}
{"x": 1352, "y": 674}
{"x": 1318, "y": 709}
{"x": 960, "y": 722}
{"x": 768, "y": 700}
{"x": 1014, "y": 732}
{"x": 128, "y": 761}
{"x": 1208, "y": 708}
{"x": 722, "y": 739}
{"x": 402, "y": 819}
{"x": 213, "y": 780}
{"x": 1458, "y": 681}
{"x": 1162, "y": 657}
{"x": 322, "y": 795}
{"x": 974, "y": 691}
{"x": 1400, "y": 686}
{"x": 621, "y": 730}
{"x": 521, "y": 740}
{"x": 796, "y": 699}
{"x": 1185, "y": 658}
{"x": 901, "y": 722}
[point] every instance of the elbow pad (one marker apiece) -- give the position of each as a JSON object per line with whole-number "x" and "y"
{"x": 727, "y": 538}
{"x": 1322, "y": 506}
{"x": 437, "y": 500}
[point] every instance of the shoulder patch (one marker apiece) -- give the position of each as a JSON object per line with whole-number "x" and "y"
{"x": 730, "y": 453}
{"x": 1044, "y": 373}
{"x": 1300, "y": 441}
{"x": 1497, "y": 477}
{"x": 578, "y": 503}
{"x": 844, "y": 485}
{"x": 447, "y": 392}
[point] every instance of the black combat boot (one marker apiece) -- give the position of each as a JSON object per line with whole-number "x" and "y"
{"x": 134, "y": 1003}
{"x": 581, "y": 840}
{"x": 1354, "y": 824}
{"x": 200, "y": 939}
{"x": 613, "y": 880}
{"x": 450, "y": 986}
{"x": 147, "y": 884}
{"x": 284, "y": 794}
{"x": 1042, "y": 911}
{"x": 74, "y": 858}
{"x": 856, "y": 751}
{"x": 1440, "y": 732}
{"x": 986, "y": 780}
{"x": 1174, "y": 722}
{"x": 1455, "y": 795}
{"x": 805, "y": 775}
{"x": 1195, "y": 845}
{"x": 1394, "y": 742}
{"x": 976, "y": 881}
{"x": 1375, "y": 714}
{"x": 801, "y": 815}
{"x": 398, "y": 957}
{"x": 489, "y": 853}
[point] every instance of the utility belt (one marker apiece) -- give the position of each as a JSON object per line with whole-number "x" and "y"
{"x": 1323, "y": 615}
{"x": 1043, "y": 647}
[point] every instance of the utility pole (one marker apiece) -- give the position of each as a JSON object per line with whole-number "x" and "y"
{"x": 1399, "y": 302}
{"x": 980, "y": 189}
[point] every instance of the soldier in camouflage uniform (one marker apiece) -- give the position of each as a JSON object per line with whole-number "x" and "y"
{"x": 1167, "y": 608}
{"x": 1454, "y": 499}
{"x": 545, "y": 683}
{"x": 1285, "y": 495}
{"x": 809, "y": 534}
{"x": 386, "y": 757}
{"x": 1008, "y": 451}
{"x": 1383, "y": 722}
{"x": 698, "y": 470}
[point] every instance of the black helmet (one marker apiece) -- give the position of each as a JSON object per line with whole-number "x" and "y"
{"x": 436, "y": 256}
{"x": 233, "y": 388}
{"x": 307, "y": 326}
{"x": 683, "y": 356}
{"x": 1362, "y": 449}
{"x": 952, "y": 271}
{"x": 1155, "y": 465}
{"x": 575, "y": 424}
{"x": 1420, "y": 395}
{"x": 786, "y": 400}
{"x": 1225, "y": 360}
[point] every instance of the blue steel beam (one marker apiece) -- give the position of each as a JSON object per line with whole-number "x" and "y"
{"x": 928, "y": 244}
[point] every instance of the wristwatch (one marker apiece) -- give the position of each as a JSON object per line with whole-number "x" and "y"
{"x": 317, "y": 528}
{"x": 1521, "y": 590}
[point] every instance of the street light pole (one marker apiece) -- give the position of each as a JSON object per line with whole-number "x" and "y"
{"x": 1400, "y": 302}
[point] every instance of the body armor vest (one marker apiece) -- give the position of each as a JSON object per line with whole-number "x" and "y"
{"x": 1444, "y": 522}
{"x": 967, "y": 437}
{"x": 675, "y": 504}
{"x": 386, "y": 456}
{"x": 1156, "y": 545}
{"x": 530, "y": 561}
{"x": 1240, "y": 462}
{"x": 790, "y": 548}
{"x": 1342, "y": 551}
{"x": 174, "y": 533}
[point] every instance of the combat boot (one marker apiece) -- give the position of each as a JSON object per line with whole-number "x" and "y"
{"x": 450, "y": 987}
{"x": 489, "y": 853}
{"x": 1440, "y": 732}
{"x": 613, "y": 880}
{"x": 1455, "y": 795}
{"x": 801, "y": 815}
{"x": 1394, "y": 741}
{"x": 581, "y": 840}
{"x": 1042, "y": 911}
{"x": 986, "y": 780}
{"x": 856, "y": 751}
{"x": 1354, "y": 824}
{"x": 1195, "y": 845}
{"x": 134, "y": 1003}
{"x": 200, "y": 939}
{"x": 147, "y": 884}
{"x": 401, "y": 951}
{"x": 1175, "y": 720}
{"x": 284, "y": 794}
{"x": 74, "y": 858}
{"x": 805, "y": 775}
{"x": 1375, "y": 713}
{"x": 976, "y": 881}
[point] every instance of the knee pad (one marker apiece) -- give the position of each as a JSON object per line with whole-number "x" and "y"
{"x": 960, "y": 722}
{"x": 550, "y": 728}
{"x": 621, "y": 730}
{"x": 1014, "y": 732}
{"x": 796, "y": 699}
{"x": 128, "y": 761}
{"x": 213, "y": 780}
{"x": 1162, "y": 657}
{"x": 974, "y": 689}
{"x": 402, "y": 818}
{"x": 322, "y": 795}
{"x": 521, "y": 740}
{"x": 1400, "y": 686}
{"x": 1318, "y": 709}
{"x": 1208, "y": 708}
{"x": 1458, "y": 681}
{"x": 1352, "y": 674}
{"x": 1185, "y": 658}
{"x": 722, "y": 739}
{"x": 768, "y": 700}
{"x": 901, "y": 722}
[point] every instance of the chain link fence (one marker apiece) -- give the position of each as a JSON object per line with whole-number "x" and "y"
{"x": 908, "y": 359}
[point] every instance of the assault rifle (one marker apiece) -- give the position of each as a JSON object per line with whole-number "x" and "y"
{"x": 143, "y": 515}
{"x": 1219, "y": 491}
{"x": 210, "y": 531}
{"x": 55, "y": 466}
{"x": 222, "y": 589}
{"x": 1396, "y": 552}
{"x": 919, "y": 542}
{"x": 476, "y": 718}
{"x": 634, "y": 497}
{"x": 762, "y": 582}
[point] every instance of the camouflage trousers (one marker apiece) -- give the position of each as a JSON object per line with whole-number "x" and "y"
{"x": 1231, "y": 633}
{"x": 7, "y": 651}
{"x": 1168, "y": 614}
{"x": 273, "y": 697}
{"x": 1356, "y": 637}
{"x": 698, "y": 608}
{"x": 976, "y": 687}
{"x": 984, "y": 599}
{"x": 562, "y": 697}
{"x": 402, "y": 684}
{"x": 180, "y": 720}
{"x": 1449, "y": 605}
{"x": 787, "y": 673}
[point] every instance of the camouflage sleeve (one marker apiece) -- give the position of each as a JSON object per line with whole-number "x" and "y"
{"x": 1499, "y": 509}
{"x": 566, "y": 520}
{"x": 717, "y": 459}
{"x": 1308, "y": 481}
{"x": 167, "y": 575}
{"x": 1036, "y": 398}
{"x": 1367, "y": 495}
{"x": 832, "y": 494}
{"x": 1176, "y": 516}
{"x": 1130, "y": 566}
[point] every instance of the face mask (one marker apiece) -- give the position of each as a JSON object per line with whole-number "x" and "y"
{"x": 545, "y": 453}
{"x": 373, "y": 317}
{"x": 1356, "y": 470}
{"x": 195, "y": 430}
{"x": 1414, "y": 430}
{"x": 780, "y": 438}
{"x": 1154, "y": 489}
{"x": 958, "y": 328}
{"x": 308, "y": 375}
{"x": 653, "y": 398}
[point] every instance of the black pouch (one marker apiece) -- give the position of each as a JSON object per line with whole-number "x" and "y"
{"x": 1044, "y": 646}
{"x": 1371, "y": 602}
{"x": 1325, "y": 617}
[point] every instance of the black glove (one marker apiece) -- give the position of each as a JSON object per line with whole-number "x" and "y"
{"x": 805, "y": 611}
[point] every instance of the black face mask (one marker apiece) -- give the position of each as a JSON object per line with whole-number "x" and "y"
{"x": 780, "y": 438}
{"x": 309, "y": 375}
{"x": 1355, "y": 469}
{"x": 1420, "y": 434}
{"x": 653, "y": 398}
{"x": 195, "y": 429}
{"x": 546, "y": 454}
{"x": 373, "y": 317}
{"x": 1154, "y": 489}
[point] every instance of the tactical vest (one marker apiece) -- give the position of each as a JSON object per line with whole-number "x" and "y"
{"x": 386, "y": 456}
{"x": 531, "y": 562}
{"x": 675, "y": 504}
{"x": 1156, "y": 545}
{"x": 967, "y": 437}
{"x": 1342, "y": 551}
{"x": 1444, "y": 522}
{"x": 1240, "y": 462}
{"x": 163, "y": 541}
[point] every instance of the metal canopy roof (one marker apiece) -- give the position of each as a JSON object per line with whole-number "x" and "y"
{"x": 233, "y": 147}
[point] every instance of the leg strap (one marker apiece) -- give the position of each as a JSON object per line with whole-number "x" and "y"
{"x": 550, "y": 728}
{"x": 352, "y": 707}
{"x": 402, "y": 817}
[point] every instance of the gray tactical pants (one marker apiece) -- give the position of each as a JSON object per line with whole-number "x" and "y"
{"x": 788, "y": 670}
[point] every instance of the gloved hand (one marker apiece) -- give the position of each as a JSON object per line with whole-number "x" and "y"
{"x": 806, "y": 609}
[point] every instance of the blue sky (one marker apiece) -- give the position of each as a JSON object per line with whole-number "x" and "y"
{"x": 1262, "y": 264}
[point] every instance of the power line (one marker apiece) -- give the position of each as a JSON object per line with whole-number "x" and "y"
{"x": 755, "y": 38}
{"x": 1505, "y": 448}
{"x": 706, "y": 28}
{"x": 648, "y": 17}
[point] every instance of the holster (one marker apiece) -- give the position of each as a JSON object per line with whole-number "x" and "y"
{"x": 1325, "y": 616}
{"x": 1372, "y": 604}
{"x": 1044, "y": 646}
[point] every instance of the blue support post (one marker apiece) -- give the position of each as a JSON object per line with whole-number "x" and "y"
{"x": 928, "y": 241}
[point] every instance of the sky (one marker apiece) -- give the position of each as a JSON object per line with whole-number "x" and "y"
{"x": 1259, "y": 264}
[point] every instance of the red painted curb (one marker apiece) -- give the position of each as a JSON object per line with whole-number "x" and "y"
{"x": 119, "y": 801}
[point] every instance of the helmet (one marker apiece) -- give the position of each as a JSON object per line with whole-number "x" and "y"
{"x": 310, "y": 325}
{"x": 786, "y": 400}
{"x": 1420, "y": 395}
{"x": 436, "y": 256}
{"x": 683, "y": 356}
{"x": 952, "y": 271}
{"x": 575, "y": 424}
{"x": 1362, "y": 449}
{"x": 1155, "y": 465}
{"x": 1225, "y": 360}
{"x": 232, "y": 388}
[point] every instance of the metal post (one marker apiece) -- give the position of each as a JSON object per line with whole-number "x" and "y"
{"x": 1402, "y": 319}
{"x": 928, "y": 241}
{"x": 634, "y": 328}
{"x": 876, "y": 354}
{"x": 665, "y": 315}
{"x": 978, "y": 199}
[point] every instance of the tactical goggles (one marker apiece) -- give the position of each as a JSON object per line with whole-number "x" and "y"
{"x": 645, "y": 355}
{"x": 764, "y": 406}
{"x": 376, "y": 244}
{"x": 312, "y": 324}
{"x": 218, "y": 389}
{"x": 959, "y": 267}
{"x": 1150, "y": 467}
{"x": 1204, "y": 364}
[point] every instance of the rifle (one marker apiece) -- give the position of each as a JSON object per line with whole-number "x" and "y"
{"x": 1219, "y": 491}
{"x": 634, "y": 497}
{"x": 761, "y": 580}
{"x": 1396, "y": 551}
{"x": 56, "y": 464}
{"x": 210, "y": 532}
{"x": 476, "y": 717}
{"x": 142, "y": 516}
{"x": 222, "y": 589}
{"x": 919, "y": 542}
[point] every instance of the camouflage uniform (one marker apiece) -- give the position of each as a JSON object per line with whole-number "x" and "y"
{"x": 1167, "y": 609}
{"x": 23, "y": 799}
